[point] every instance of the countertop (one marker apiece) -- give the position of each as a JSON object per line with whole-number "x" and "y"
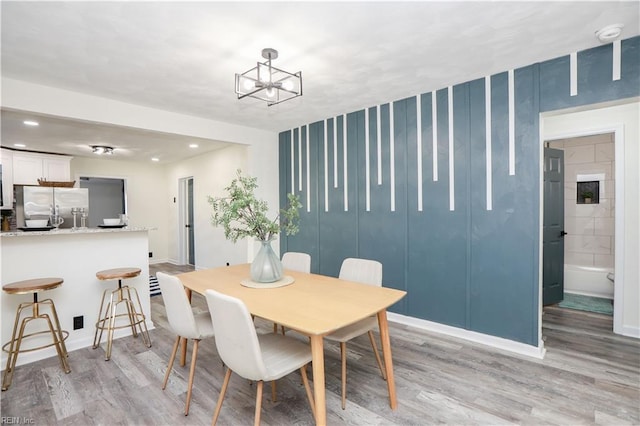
{"x": 69, "y": 231}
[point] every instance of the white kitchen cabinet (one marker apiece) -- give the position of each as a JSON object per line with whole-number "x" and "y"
{"x": 29, "y": 167}
{"x": 6, "y": 160}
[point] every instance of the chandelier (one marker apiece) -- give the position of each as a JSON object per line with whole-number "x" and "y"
{"x": 268, "y": 83}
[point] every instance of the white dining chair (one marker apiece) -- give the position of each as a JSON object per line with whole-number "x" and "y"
{"x": 368, "y": 272}
{"x": 296, "y": 261}
{"x": 184, "y": 323}
{"x": 264, "y": 357}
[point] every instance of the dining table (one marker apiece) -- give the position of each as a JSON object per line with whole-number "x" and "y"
{"x": 313, "y": 305}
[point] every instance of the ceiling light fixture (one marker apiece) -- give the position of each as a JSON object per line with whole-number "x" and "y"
{"x": 102, "y": 149}
{"x": 19, "y": 145}
{"x": 268, "y": 83}
{"x": 609, "y": 33}
{"x": 193, "y": 145}
{"x": 30, "y": 123}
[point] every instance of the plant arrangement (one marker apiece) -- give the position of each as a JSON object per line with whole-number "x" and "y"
{"x": 587, "y": 194}
{"x": 242, "y": 215}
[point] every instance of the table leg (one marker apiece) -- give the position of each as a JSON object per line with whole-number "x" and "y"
{"x": 183, "y": 350}
{"x": 317, "y": 354}
{"x": 386, "y": 351}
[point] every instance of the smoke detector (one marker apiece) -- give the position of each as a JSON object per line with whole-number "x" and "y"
{"x": 609, "y": 33}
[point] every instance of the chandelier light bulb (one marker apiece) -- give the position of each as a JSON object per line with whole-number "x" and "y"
{"x": 248, "y": 84}
{"x": 271, "y": 92}
{"x": 287, "y": 85}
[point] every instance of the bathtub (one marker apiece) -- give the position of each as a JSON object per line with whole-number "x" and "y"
{"x": 588, "y": 280}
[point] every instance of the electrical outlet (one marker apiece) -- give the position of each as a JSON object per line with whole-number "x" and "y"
{"x": 150, "y": 254}
{"x": 78, "y": 322}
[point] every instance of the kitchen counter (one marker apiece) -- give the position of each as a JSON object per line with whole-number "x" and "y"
{"x": 67, "y": 231}
{"x": 75, "y": 256}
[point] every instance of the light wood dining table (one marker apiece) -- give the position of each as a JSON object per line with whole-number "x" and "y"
{"x": 314, "y": 305}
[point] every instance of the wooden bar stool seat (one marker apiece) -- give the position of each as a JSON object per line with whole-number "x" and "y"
{"x": 109, "y": 319}
{"x": 15, "y": 345}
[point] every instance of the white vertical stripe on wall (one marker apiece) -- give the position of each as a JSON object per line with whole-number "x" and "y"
{"x": 616, "y": 60}
{"x": 300, "y": 158}
{"x": 308, "y": 173}
{"x": 392, "y": 158}
{"x": 434, "y": 122}
{"x": 326, "y": 166}
{"x": 512, "y": 124}
{"x": 335, "y": 152}
{"x": 452, "y": 201}
{"x": 573, "y": 69}
{"x": 419, "y": 148}
{"x": 367, "y": 163}
{"x": 293, "y": 165}
{"x": 344, "y": 163}
{"x": 487, "y": 139}
{"x": 379, "y": 143}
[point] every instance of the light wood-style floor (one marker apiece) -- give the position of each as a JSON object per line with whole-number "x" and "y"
{"x": 589, "y": 376}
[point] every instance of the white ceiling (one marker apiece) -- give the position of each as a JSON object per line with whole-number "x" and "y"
{"x": 182, "y": 56}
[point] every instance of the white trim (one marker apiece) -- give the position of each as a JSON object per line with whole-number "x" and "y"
{"x": 537, "y": 352}
{"x": 308, "y": 173}
{"x": 335, "y": 152}
{"x": 344, "y": 162}
{"x": 183, "y": 238}
{"x": 300, "y": 158}
{"x": 512, "y": 124}
{"x": 619, "y": 237}
{"x": 379, "y": 143}
{"x": 573, "y": 74}
{"x": 434, "y": 140}
{"x": 617, "y": 59}
{"x": 367, "y": 163}
{"x": 452, "y": 189}
{"x": 392, "y": 158}
{"x": 487, "y": 141}
{"x": 326, "y": 166}
{"x": 419, "y": 148}
{"x": 293, "y": 164}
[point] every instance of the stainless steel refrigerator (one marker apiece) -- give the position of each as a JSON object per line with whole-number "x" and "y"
{"x": 41, "y": 202}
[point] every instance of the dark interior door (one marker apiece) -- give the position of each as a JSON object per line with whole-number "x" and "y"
{"x": 553, "y": 227}
{"x": 190, "y": 230}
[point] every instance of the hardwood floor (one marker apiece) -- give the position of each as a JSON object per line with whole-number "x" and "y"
{"x": 588, "y": 376}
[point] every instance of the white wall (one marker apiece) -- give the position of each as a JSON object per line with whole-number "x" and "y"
{"x": 146, "y": 195}
{"x": 211, "y": 173}
{"x": 625, "y": 117}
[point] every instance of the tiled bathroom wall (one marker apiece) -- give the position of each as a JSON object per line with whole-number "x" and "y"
{"x": 590, "y": 227}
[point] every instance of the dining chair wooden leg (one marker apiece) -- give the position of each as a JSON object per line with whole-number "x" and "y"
{"x": 192, "y": 372}
{"x": 273, "y": 391}
{"x": 305, "y": 381}
{"x": 375, "y": 352}
{"x": 172, "y": 358}
{"x": 223, "y": 390}
{"x": 343, "y": 358}
{"x": 256, "y": 421}
{"x": 275, "y": 327}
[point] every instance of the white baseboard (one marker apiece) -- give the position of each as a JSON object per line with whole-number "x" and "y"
{"x": 154, "y": 261}
{"x": 472, "y": 336}
{"x": 630, "y": 331}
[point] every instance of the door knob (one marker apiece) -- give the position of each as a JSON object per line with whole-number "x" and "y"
{"x": 562, "y": 234}
{"x": 187, "y": 226}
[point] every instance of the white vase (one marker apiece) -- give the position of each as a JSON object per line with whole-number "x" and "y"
{"x": 266, "y": 267}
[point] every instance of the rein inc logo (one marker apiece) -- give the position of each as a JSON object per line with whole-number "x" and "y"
{"x": 16, "y": 420}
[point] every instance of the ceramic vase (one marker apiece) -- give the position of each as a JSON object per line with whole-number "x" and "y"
{"x": 266, "y": 267}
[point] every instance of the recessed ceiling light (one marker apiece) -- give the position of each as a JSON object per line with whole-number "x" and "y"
{"x": 155, "y": 159}
{"x": 193, "y": 145}
{"x": 19, "y": 145}
{"x": 31, "y": 123}
{"x": 609, "y": 33}
{"x": 102, "y": 149}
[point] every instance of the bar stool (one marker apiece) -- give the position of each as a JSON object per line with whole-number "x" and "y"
{"x": 107, "y": 318}
{"x": 34, "y": 286}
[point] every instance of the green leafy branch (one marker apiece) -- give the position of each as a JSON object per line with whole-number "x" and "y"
{"x": 242, "y": 215}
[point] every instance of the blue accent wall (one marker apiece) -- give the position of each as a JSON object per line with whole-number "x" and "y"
{"x": 470, "y": 267}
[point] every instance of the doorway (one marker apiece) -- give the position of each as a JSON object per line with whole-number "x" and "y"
{"x": 571, "y": 127}
{"x": 186, "y": 220}
{"x": 107, "y": 198}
